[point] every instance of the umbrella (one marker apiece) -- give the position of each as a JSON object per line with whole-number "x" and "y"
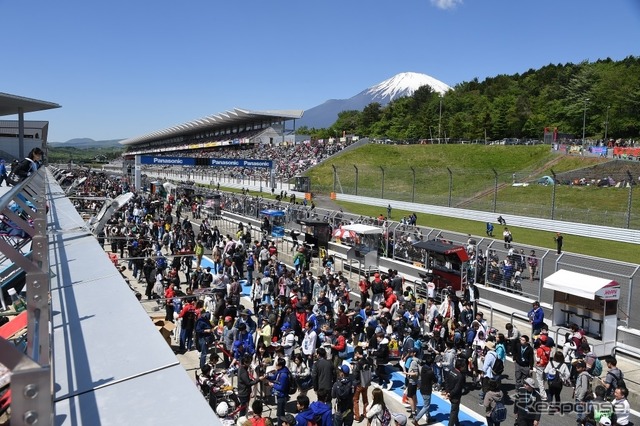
{"x": 343, "y": 233}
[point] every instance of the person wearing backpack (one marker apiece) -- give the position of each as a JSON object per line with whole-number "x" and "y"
{"x": 377, "y": 412}
{"x": 412, "y": 365}
{"x": 614, "y": 377}
{"x": 582, "y": 390}
{"x": 524, "y": 408}
{"x": 495, "y": 411}
{"x": 342, "y": 391}
{"x": 280, "y": 381}
{"x": 543, "y": 354}
{"x": 557, "y": 373}
{"x": 488, "y": 367}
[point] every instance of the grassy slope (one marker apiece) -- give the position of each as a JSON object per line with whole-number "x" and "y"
{"x": 470, "y": 164}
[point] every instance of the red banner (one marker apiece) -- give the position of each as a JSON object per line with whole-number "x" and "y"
{"x": 618, "y": 151}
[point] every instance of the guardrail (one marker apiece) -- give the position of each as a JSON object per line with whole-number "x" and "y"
{"x": 24, "y": 206}
{"x": 514, "y": 314}
{"x": 572, "y": 228}
{"x": 626, "y": 350}
{"x": 487, "y": 305}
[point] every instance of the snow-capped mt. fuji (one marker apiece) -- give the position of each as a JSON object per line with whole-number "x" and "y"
{"x": 400, "y": 85}
{"x": 404, "y": 84}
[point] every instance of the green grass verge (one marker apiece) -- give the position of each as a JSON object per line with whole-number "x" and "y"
{"x": 590, "y": 246}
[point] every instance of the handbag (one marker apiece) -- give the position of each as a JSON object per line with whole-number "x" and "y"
{"x": 13, "y": 179}
{"x": 365, "y": 377}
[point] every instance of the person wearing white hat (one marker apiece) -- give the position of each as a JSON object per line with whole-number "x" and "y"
{"x": 524, "y": 408}
{"x": 399, "y": 419}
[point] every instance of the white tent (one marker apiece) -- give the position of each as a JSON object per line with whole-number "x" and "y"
{"x": 582, "y": 285}
{"x": 363, "y": 229}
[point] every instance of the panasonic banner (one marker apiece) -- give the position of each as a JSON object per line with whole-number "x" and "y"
{"x": 200, "y": 162}
{"x": 211, "y": 162}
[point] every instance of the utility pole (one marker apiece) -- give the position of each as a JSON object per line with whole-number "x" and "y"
{"x": 440, "y": 119}
{"x": 584, "y": 119}
{"x": 606, "y": 126}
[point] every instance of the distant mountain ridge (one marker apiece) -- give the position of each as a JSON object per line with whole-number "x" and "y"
{"x": 86, "y": 143}
{"x": 398, "y": 86}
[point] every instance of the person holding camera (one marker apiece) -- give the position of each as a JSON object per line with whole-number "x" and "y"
{"x": 245, "y": 383}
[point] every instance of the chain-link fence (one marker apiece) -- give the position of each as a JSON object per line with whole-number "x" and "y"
{"x": 487, "y": 190}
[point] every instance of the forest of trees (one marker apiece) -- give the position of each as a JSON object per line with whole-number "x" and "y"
{"x": 511, "y": 106}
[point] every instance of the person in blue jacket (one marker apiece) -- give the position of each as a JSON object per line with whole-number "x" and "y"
{"x": 536, "y": 318}
{"x": 280, "y": 381}
{"x": 305, "y": 414}
{"x": 322, "y": 408}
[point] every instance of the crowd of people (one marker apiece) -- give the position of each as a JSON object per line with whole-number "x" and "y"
{"x": 299, "y": 331}
{"x": 289, "y": 159}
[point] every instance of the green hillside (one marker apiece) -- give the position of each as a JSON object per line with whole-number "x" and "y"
{"x": 473, "y": 180}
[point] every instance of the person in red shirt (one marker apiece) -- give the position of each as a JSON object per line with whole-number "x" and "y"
{"x": 273, "y": 250}
{"x": 390, "y": 298}
{"x": 364, "y": 286}
{"x": 169, "y": 294}
{"x": 339, "y": 345}
{"x": 342, "y": 323}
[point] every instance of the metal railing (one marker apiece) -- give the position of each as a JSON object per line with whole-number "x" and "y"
{"x": 24, "y": 211}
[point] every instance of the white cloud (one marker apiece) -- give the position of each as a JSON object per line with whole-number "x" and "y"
{"x": 446, "y": 4}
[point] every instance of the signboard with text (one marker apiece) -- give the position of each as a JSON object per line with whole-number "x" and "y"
{"x": 212, "y": 162}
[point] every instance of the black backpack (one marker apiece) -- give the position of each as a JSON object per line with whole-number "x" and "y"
{"x": 293, "y": 386}
{"x": 377, "y": 287}
{"x": 499, "y": 413}
{"x": 344, "y": 390}
{"x": 618, "y": 382}
{"x": 189, "y": 319}
{"x": 498, "y": 366}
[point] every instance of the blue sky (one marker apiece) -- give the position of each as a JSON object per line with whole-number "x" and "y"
{"x": 125, "y": 68}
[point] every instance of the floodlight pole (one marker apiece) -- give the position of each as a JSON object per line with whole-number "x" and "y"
{"x": 631, "y": 182}
{"x": 382, "y": 192}
{"x": 495, "y": 190}
{"x": 450, "y": 185}
{"x": 354, "y": 166}
{"x": 334, "y": 177}
{"x": 606, "y": 126}
{"x": 584, "y": 120}
{"x": 553, "y": 195}
{"x": 413, "y": 188}
{"x": 440, "y": 119}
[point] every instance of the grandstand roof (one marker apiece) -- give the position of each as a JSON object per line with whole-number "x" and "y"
{"x": 12, "y": 104}
{"x": 235, "y": 116}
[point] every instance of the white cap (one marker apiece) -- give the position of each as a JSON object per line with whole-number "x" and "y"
{"x": 12, "y": 291}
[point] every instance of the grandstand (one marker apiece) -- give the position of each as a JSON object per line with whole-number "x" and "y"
{"x": 240, "y": 134}
{"x": 230, "y": 128}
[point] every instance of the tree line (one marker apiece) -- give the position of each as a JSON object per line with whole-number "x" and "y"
{"x": 605, "y": 94}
